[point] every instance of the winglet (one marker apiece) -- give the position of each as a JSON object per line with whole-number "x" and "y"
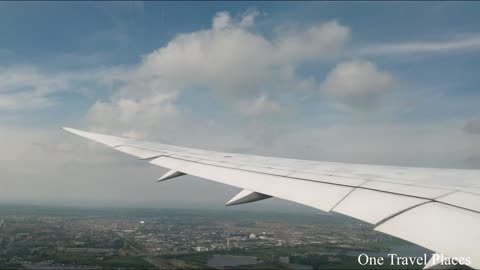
{"x": 169, "y": 175}
{"x": 246, "y": 196}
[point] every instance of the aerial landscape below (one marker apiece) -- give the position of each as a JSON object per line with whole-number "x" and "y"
{"x": 57, "y": 237}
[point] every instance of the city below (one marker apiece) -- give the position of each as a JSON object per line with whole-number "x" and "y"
{"x": 54, "y": 237}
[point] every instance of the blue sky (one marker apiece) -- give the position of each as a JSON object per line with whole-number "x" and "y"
{"x": 73, "y": 37}
{"x": 346, "y": 81}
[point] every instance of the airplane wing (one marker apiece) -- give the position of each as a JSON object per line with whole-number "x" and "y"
{"x": 438, "y": 209}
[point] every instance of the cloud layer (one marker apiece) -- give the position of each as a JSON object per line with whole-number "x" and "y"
{"x": 253, "y": 74}
{"x": 302, "y": 91}
{"x": 26, "y": 88}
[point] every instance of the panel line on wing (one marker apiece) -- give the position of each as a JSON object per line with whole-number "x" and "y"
{"x": 400, "y": 212}
{"x": 341, "y": 200}
{"x": 335, "y": 173}
{"x": 459, "y": 207}
{"x": 444, "y": 195}
{"x": 374, "y": 206}
{"x": 141, "y": 147}
{"x": 276, "y": 175}
{"x": 438, "y": 227}
{"x": 151, "y": 158}
{"x": 116, "y": 146}
{"x": 299, "y": 172}
{"x": 315, "y": 181}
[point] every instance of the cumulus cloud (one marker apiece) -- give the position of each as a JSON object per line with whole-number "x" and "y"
{"x": 315, "y": 42}
{"x": 136, "y": 117}
{"x": 248, "y": 18}
{"x": 357, "y": 82}
{"x": 239, "y": 66}
{"x": 230, "y": 57}
{"x": 221, "y": 21}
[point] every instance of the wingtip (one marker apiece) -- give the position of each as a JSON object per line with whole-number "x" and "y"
{"x": 109, "y": 140}
{"x": 70, "y": 130}
{"x": 77, "y": 132}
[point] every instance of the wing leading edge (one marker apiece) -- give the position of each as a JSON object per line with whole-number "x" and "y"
{"x": 435, "y": 208}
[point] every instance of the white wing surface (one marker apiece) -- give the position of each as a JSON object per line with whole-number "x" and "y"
{"x": 438, "y": 209}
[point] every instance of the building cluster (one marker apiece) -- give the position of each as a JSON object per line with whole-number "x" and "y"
{"x": 22, "y": 237}
{"x": 159, "y": 236}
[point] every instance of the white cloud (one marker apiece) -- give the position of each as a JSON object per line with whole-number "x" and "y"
{"x": 315, "y": 42}
{"x": 241, "y": 67}
{"x": 131, "y": 116}
{"x": 24, "y": 101}
{"x": 357, "y": 81}
{"x": 248, "y": 18}
{"x": 457, "y": 43}
{"x": 231, "y": 57}
{"x": 260, "y": 105}
{"x": 26, "y": 87}
{"x": 221, "y": 21}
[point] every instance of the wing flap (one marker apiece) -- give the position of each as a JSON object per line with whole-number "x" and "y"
{"x": 220, "y": 163}
{"x": 141, "y": 153}
{"x": 265, "y": 170}
{"x": 462, "y": 199}
{"x": 346, "y": 181}
{"x": 406, "y": 189}
{"x": 439, "y": 227}
{"x": 374, "y": 206}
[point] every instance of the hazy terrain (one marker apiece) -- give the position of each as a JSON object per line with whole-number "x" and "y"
{"x": 47, "y": 236}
